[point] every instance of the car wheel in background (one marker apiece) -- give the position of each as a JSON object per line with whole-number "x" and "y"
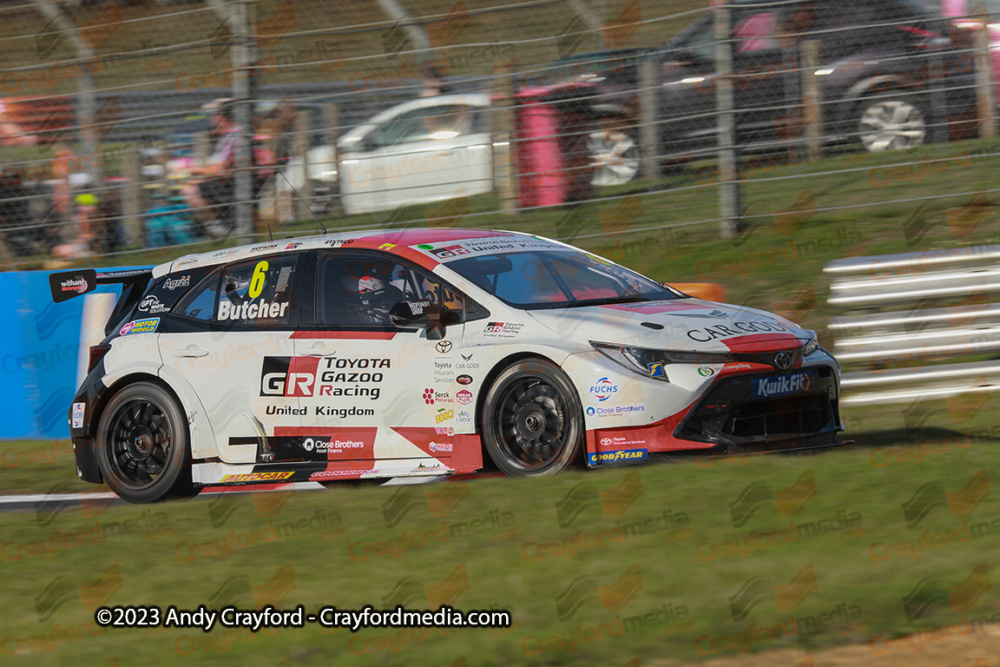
{"x": 532, "y": 420}
{"x": 142, "y": 445}
{"x": 890, "y": 124}
{"x": 614, "y": 156}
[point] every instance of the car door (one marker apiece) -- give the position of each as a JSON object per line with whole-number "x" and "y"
{"x": 229, "y": 338}
{"x": 421, "y": 155}
{"x": 385, "y": 398}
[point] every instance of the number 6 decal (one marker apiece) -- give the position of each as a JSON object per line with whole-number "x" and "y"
{"x": 257, "y": 281}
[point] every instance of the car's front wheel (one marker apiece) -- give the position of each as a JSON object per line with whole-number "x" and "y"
{"x": 532, "y": 420}
{"x": 614, "y": 156}
{"x": 890, "y": 124}
{"x": 142, "y": 445}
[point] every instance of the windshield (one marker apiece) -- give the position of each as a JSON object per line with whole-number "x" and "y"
{"x": 558, "y": 279}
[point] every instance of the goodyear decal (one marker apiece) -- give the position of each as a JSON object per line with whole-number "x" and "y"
{"x": 620, "y": 456}
{"x": 257, "y": 476}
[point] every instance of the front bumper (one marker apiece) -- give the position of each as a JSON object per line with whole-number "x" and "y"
{"x": 728, "y": 413}
{"x": 728, "y": 416}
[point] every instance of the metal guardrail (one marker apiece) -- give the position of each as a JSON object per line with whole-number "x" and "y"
{"x": 920, "y": 324}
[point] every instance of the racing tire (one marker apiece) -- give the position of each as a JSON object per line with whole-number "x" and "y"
{"x": 890, "y": 123}
{"x": 614, "y": 156}
{"x": 532, "y": 420}
{"x": 143, "y": 446}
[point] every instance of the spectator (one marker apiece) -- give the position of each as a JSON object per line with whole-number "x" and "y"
{"x": 11, "y": 133}
{"x": 105, "y": 224}
{"x": 63, "y": 164}
{"x": 210, "y": 193}
{"x": 83, "y": 244}
{"x": 168, "y": 222}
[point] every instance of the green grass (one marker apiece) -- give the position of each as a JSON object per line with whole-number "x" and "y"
{"x": 171, "y": 554}
{"x": 39, "y": 466}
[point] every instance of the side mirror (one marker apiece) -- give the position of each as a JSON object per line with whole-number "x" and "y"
{"x": 411, "y": 314}
{"x": 423, "y": 315}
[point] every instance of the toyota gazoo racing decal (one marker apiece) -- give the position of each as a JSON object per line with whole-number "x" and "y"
{"x": 350, "y": 377}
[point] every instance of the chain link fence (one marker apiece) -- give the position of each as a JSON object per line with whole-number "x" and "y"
{"x": 649, "y": 125}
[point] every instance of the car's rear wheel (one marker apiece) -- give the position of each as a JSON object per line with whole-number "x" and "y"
{"x": 886, "y": 124}
{"x": 142, "y": 445}
{"x": 532, "y": 420}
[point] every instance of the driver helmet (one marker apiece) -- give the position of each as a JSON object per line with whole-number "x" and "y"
{"x": 366, "y": 284}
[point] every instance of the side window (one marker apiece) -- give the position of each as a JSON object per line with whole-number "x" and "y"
{"x": 199, "y": 303}
{"x": 440, "y": 122}
{"x": 700, "y": 40}
{"x": 359, "y": 289}
{"x": 258, "y": 293}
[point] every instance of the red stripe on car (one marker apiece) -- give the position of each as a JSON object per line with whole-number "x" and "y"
{"x": 346, "y": 335}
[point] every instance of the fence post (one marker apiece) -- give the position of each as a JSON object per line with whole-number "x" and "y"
{"x": 939, "y": 103}
{"x": 725, "y": 104}
{"x": 331, "y": 123}
{"x": 300, "y": 149}
{"x": 812, "y": 100}
{"x": 502, "y": 126}
{"x": 648, "y": 125}
{"x": 792, "y": 80}
{"x": 132, "y": 198}
{"x": 986, "y": 101}
{"x": 243, "y": 72}
{"x": 202, "y": 146}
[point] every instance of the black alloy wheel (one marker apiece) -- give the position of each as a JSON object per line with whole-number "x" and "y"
{"x": 142, "y": 445}
{"x": 532, "y": 421}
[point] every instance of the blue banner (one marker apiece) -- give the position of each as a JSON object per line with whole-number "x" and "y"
{"x": 41, "y": 359}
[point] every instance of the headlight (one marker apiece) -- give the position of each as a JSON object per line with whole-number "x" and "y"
{"x": 811, "y": 346}
{"x": 653, "y": 363}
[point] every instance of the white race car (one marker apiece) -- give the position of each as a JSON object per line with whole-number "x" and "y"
{"x": 425, "y": 352}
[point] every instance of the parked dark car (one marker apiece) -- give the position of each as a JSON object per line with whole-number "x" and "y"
{"x": 881, "y": 62}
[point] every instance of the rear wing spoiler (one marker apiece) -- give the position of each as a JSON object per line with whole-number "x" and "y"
{"x": 68, "y": 284}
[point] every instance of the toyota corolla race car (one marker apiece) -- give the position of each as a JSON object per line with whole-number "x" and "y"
{"x": 424, "y": 352}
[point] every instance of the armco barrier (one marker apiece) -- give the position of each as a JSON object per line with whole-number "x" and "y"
{"x": 45, "y": 352}
{"x": 924, "y": 324}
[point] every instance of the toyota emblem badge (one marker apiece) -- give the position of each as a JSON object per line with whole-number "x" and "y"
{"x": 783, "y": 361}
